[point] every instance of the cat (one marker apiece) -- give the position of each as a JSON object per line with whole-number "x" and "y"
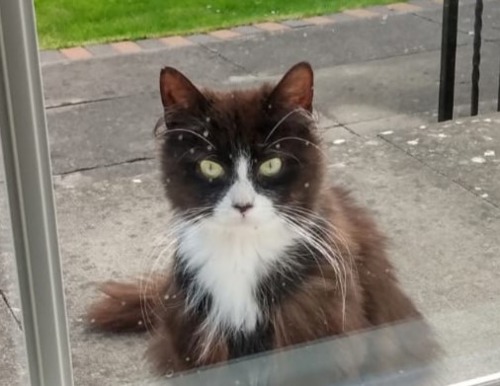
{"x": 269, "y": 253}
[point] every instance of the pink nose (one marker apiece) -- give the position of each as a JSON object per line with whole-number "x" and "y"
{"x": 243, "y": 208}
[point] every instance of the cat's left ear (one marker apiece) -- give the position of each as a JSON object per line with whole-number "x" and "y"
{"x": 177, "y": 90}
{"x": 296, "y": 88}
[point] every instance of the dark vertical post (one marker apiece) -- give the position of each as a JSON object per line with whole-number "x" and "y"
{"x": 476, "y": 58}
{"x": 448, "y": 54}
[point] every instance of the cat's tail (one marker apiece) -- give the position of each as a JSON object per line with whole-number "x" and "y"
{"x": 125, "y": 307}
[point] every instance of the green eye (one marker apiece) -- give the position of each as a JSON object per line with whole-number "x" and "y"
{"x": 211, "y": 169}
{"x": 270, "y": 167}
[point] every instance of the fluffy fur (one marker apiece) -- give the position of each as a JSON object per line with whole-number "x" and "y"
{"x": 260, "y": 262}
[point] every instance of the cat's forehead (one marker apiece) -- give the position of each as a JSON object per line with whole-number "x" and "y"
{"x": 237, "y": 117}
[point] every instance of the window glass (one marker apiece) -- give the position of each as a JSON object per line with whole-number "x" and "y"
{"x": 213, "y": 214}
{"x": 13, "y": 363}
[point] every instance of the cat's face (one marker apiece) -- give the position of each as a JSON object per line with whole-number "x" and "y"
{"x": 240, "y": 158}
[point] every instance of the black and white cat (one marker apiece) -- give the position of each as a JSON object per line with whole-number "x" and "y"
{"x": 268, "y": 252}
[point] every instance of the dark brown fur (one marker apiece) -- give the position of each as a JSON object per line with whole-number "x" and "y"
{"x": 314, "y": 309}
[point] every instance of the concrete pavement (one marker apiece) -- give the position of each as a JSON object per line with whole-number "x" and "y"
{"x": 372, "y": 76}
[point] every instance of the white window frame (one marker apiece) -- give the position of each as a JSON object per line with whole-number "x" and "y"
{"x": 28, "y": 179}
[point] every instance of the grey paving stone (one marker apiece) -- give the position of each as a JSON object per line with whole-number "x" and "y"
{"x": 341, "y": 17}
{"x": 296, "y": 23}
{"x": 151, "y": 44}
{"x": 247, "y": 30}
{"x": 466, "y": 17}
{"x": 203, "y": 39}
{"x": 101, "y": 49}
{"x": 121, "y": 75}
{"x": 466, "y": 150}
{"x": 12, "y": 357}
{"x": 51, "y": 56}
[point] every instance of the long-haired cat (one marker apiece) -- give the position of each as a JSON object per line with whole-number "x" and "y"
{"x": 268, "y": 253}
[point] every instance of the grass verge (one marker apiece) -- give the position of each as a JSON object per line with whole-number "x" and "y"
{"x": 65, "y": 23}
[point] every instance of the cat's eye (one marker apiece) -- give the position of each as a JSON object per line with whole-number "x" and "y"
{"x": 271, "y": 167}
{"x": 211, "y": 169}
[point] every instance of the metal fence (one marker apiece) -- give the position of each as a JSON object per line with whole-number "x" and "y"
{"x": 448, "y": 57}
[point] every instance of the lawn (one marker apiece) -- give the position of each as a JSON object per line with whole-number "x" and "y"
{"x": 64, "y": 23}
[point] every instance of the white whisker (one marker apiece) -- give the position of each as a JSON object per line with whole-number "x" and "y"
{"x": 280, "y": 122}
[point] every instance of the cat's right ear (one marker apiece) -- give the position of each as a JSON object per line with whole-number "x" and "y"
{"x": 178, "y": 91}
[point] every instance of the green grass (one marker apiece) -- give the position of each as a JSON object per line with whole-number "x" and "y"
{"x": 65, "y": 23}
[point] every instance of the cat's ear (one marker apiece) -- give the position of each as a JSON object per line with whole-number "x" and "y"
{"x": 296, "y": 88}
{"x": 177, "y": 90}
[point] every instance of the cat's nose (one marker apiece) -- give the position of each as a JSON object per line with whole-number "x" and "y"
{"x": 243, "y": 208}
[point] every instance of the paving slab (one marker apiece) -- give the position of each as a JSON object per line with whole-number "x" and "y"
{"x": 117, "y": 76}
{"x": 369, "y": 97}
{"x": 109, "y": 132}
{"x": 466, "y": 19}
{"x": 466, "y": 151}
{"x": 403, "y": 85}
{"x": 12, "y": 357}
{"x": 339, "y": 43}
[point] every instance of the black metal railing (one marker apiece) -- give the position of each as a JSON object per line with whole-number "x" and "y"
{"x": 448, "y": 57}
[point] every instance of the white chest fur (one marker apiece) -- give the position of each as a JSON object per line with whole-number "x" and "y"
{"x": 230, "y": 262}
